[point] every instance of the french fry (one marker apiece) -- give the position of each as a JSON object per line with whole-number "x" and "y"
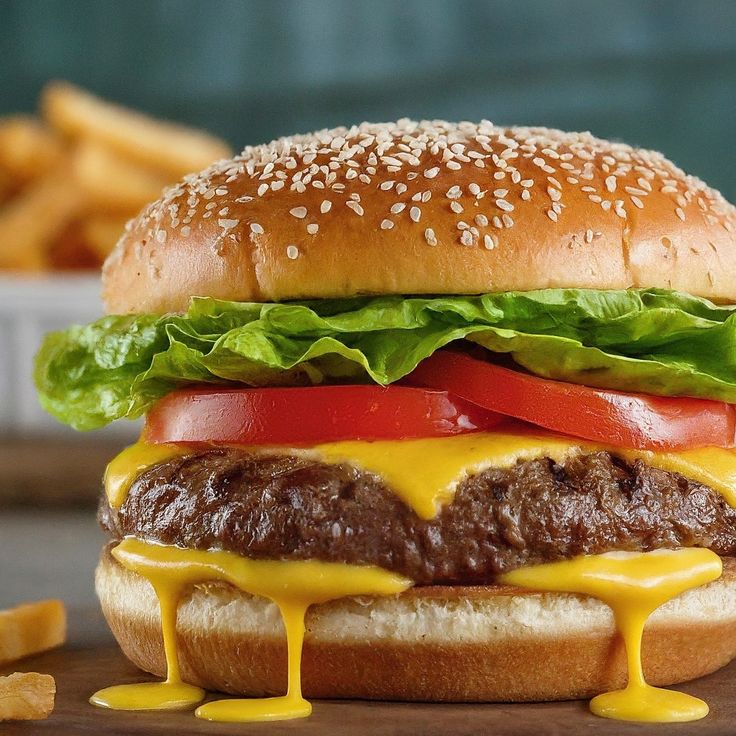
{"x": 30, "y": 221}
{"x": 174, "y": 149}
{"x": 26, "y": 696}
{"x": 7, "y": 185}
{"x": 27, "y": 147}
{"x": 31, "y": 628}
{"x": 111, "y": 182}
{"x": 69, "y": 251}
{"x": 100, "y": 233}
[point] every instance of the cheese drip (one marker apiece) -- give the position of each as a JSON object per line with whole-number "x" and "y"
{"x": 292, "y": 585}
{"x": 633, "y": 585}
{"x": 425, "y": 473}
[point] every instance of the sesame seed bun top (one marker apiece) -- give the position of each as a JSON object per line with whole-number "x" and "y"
{"x": 425, "y": 208}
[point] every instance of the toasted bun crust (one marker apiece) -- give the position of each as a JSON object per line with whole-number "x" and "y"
{"x": 428, "y": 644}
{"x": 425, "y": 208}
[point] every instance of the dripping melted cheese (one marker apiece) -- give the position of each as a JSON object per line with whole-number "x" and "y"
{"x": 633, "y": 585}
{"x": 292, "y": 585}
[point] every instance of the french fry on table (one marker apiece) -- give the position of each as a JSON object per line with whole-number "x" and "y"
{"x": 175, "y": 149}
{"x": 32, "y": 219}
{"x": 112, "y": 182}
{"x": 28, "y": 149}
{"x": 31, "y": 628}
{"x": 26, "y": 696}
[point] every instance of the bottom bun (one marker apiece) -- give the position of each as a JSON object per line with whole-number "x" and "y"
{"x": 461, "y": 644}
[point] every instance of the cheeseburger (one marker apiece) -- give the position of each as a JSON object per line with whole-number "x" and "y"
{"x": 433, "y": 412}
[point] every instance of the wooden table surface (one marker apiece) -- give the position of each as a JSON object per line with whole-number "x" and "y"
{"x": 53, "y": 553}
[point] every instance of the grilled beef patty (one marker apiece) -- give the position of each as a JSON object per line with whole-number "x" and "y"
{"x": 283, "y": 506}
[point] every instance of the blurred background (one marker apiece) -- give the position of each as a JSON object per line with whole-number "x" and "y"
{"x": 660, "y": 74}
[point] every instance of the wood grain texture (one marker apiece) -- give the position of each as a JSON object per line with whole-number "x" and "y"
{"x": 91, "y": 661}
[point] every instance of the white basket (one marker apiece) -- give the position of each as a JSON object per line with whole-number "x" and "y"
{"x": 29, "y": 308}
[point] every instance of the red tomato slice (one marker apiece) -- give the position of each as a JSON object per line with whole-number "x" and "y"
{"x": 638, "y": 421}
{"x": 303, "y": 416}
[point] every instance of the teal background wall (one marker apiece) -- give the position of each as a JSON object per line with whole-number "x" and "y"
{"x": 659, "y": 74}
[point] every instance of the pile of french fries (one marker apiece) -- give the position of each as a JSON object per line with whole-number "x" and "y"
{"x": 29, "y": 629}
{"x": 71, "y": 178}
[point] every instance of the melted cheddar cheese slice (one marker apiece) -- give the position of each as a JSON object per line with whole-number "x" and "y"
{"x": 425, "y": 473}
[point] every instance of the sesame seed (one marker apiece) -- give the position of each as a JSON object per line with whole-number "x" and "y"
{"x": 680, "y": 213}
{"x": 262, "y": 189}
{"x": 312, "y": 228}
{"x": 462, "y": 225}
{"x": 256, "y": 229}
{"x": 292, "y": 252}
{"x": 386, "y": 185}
{"x": 481, "y": 220}
{"x": 398, "y": 207}
{"x": 228, "y": 224}
{"x": 611, "y": 183}
{"x": 415, "y": 213}
{"x": 426, "y": 196}
{"x": 500, "y": 192}
{"x": 526, "y": 183}
{"x": 386, "y": 224}
{"x": 552, "y": 215}
{"x": 507, "y": 220}
{"x": 504, "y": 205}
{"x": 400, "y": 188}
{"x": 497, "y": 222}
{"x": 474, "y": 189}
{"x": 588, "y": 236}
{"x": 637, "y": 202}
{"x": 466, "y": 238}
{"x": 456, "y": 207}
{"x": 454, "y": 192}
{"x": 326, "y": 206}
{"x": 554, "y": 194}
{"x": 454, "y": 165}
{"x": 431, "y": 173}
{"x": 430, "y": 237}
{"x": 355, "y": 207}
{"x": 489, "y": 242}
{"x": 298, "y": 212}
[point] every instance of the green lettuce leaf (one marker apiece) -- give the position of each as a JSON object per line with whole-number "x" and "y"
{"x": 655, "y": 341}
